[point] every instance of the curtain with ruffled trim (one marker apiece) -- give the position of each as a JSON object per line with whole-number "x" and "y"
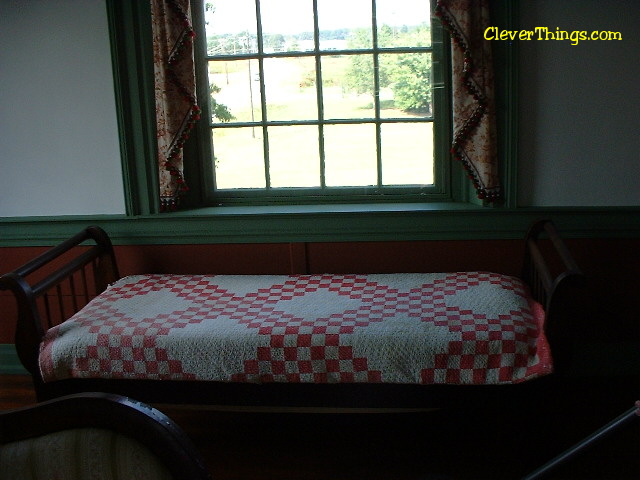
{"x": 474, "y": 123}
{"x": 175, "y": 92}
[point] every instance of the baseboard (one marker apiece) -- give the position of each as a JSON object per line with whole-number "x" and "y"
{"x": 9, "y": 361}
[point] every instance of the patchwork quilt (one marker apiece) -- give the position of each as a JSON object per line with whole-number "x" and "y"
{"x": 438, "y": 328}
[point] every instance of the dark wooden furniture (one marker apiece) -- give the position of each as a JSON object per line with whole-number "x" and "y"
{"x": 631, "y": 416}
{"x": 111, "y": 415}
{"x": 53, "y": 286}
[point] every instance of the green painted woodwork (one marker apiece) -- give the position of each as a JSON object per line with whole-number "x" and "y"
{"x": 129, "y": 26}
{"x": 443, "y": 189}
{"x": 335, "y": 223}
{"x": 506, "y": 54}
{"x": 464, "y": 220}
{"x": 9, "y": 361}
{"x": 132, "y": 61}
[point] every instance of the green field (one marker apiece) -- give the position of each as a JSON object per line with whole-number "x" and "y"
{"x": 350, "y": 150}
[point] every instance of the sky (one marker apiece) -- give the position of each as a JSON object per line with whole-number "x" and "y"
{"x": 292, "y": 16}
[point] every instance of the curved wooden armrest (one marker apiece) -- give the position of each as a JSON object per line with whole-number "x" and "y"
{"x": 557, "y": 286}
{"x": 52, "y": 287}
{"x": 138, "y": 421}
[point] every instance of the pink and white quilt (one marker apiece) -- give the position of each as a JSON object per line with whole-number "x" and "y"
{"x": 437, "y": 328}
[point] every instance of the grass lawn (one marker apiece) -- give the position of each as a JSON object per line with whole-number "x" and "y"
{"x": 294, "y": 159}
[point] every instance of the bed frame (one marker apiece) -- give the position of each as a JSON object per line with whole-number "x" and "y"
{"x": 58, "y": 283}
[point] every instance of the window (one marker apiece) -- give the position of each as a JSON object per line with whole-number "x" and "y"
{"x": 322, "y": 100}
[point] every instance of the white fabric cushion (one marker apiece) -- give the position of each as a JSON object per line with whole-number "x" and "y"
{"x": 75, "y": 454}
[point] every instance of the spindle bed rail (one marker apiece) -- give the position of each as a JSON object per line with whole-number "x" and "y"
{"x": 62, "y": 281}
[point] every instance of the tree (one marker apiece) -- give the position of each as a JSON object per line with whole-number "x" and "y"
{"x": 360, "y": 74}
{"x": 408, "y": 74}
{"x": 218, "y": 110}
{"x": 276, "y": 41}
{"x": 412, "y": 82}
{"x": 411, "y": 73}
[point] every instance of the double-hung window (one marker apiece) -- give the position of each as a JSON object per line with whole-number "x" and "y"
{"x": 317, "y": 101}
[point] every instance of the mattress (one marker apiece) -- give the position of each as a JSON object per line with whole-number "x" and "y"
{"x": 463, "y": 328}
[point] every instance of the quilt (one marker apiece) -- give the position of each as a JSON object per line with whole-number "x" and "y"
{"x": 465, "y": 328}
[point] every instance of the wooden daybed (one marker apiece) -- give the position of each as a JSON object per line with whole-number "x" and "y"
{"x": 394, "y": 340}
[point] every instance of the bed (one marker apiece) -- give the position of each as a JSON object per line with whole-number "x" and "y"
{"x": 319, "y": 340}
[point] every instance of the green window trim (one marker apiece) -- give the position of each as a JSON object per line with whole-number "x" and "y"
{"x": 443, "y": 189}
{"x": 505, "y": 14}
{"x": 142, "y": 224}
{"x": 132, "y": 61}
{"x": 339, "y": 223}
{"x": 129, "y": 27}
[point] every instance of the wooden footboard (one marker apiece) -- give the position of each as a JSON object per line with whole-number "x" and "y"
{"x": 60, "y": 282}
{"x": 556, "y": 282}
{"x": 55, "y": 285}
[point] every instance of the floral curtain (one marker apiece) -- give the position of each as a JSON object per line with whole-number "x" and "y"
{"x": 175, "y": 92}
{"x": 474, "y": 124}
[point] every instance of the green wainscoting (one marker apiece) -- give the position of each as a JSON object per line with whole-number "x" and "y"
{"x": 339, "y": 223}
{"x": 9, "y": 362}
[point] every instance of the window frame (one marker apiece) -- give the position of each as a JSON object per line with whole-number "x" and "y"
{"x": 130, "y": 36}
{"x": 446, "y": 186}
{"x": 132, "y": 64}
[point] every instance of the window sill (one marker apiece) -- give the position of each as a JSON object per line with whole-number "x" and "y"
{"x": 330, "y": 222}
{"x": 334, "y": 223}
{"x": 326, "y": 209}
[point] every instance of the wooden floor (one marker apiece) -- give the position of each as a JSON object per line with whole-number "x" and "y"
{"x": 409, "y": 445}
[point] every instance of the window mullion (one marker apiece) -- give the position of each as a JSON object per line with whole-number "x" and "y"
{"x": 376, "y": 90}
{"x": 319, "y": 93}
{"x": 383, "y": 47}
{"x": 263, "y": 101}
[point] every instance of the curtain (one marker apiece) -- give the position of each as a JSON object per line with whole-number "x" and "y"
{"x": 175, "y": 92}
{"x": 474, "y": 123}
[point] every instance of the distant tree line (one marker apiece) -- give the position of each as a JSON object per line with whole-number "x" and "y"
{"x": 408, "y": 75}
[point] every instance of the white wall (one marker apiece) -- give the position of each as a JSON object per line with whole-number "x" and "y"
{"x": 580, "y": 106}
{"x": 59, "y": 154}
{"x": 59, "y": 149}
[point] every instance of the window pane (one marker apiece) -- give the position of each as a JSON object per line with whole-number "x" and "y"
{"x": 405, "y": 85}
{"x": 407, "y": 153}
{"x": 350, "y": 87}
{"x": 341, "y": 97}
{"x": 403, "y": 23}
{"x": 293, "y": 156}
{"x": 275, "y": 87}
{"x": 231, "y": 27}
{"x": 290, "y": 89}
{"x": 287, "y": 25}
{"x": 339, "y": 19}
{"x": 350, "y": 155}
{"x": 238, "y": 157}
{"x": 234, "y": 89}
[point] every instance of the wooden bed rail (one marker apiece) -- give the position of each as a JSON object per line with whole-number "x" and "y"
{"x": 62, "y": 292}
{"x": 90, "y": 233}
{"x": 557, "y": 292}
{"x": 538, "y": 273}
{"x": 59, "y": 282}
